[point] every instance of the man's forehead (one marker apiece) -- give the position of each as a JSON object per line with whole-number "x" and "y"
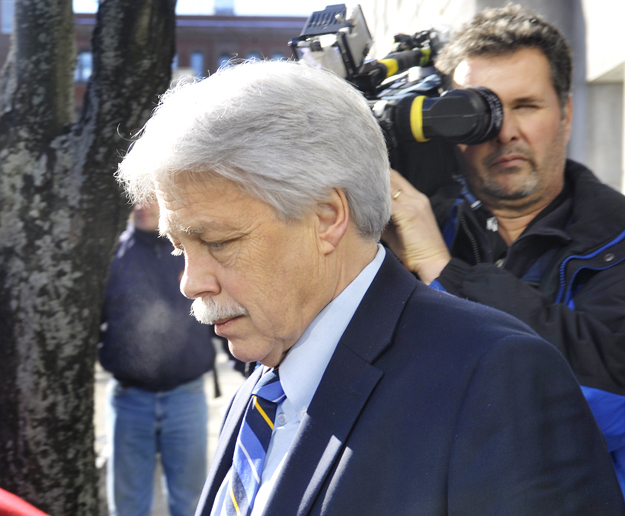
{"x": 496, "y": 66}
{"x": 214, "y": 205}
{"x": 185, "y": 189}
{"x": 195, "y": 216}
{"x": 176, "y": 205}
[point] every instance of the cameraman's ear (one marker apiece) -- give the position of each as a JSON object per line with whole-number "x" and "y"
{"x": 568, "y": 116}
{"x": 332, "y": 220}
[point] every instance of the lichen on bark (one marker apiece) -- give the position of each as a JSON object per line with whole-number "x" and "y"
{"x": 60, "y": 215}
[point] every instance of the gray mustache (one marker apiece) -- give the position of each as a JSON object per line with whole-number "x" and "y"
{"x": 209, "y": 310}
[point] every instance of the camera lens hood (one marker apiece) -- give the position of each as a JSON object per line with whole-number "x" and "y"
{"x": 464, "y": 115}
{"x": 493, "y": 115}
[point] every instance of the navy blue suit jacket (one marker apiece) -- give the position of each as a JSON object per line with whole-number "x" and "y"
{"x": 433, "y": 405}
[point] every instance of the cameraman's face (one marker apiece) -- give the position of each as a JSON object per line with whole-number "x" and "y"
{"x": 522, "y": 169}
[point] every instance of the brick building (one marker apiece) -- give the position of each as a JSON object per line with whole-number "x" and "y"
{"x": 203, "y": 42}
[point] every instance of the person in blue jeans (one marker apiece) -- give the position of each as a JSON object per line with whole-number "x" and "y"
{"x": 158, "y": 355}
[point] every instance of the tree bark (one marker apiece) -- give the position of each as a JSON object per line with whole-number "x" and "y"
{"x": 61, "y": 212}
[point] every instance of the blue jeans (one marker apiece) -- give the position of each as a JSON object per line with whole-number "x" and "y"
{"x": 141, "y": 424}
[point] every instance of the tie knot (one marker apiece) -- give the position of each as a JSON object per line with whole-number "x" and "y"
{"x": 269, "y": 387}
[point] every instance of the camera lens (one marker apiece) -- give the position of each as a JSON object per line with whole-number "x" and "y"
{"x": 486, "y": 117}
{"x": 463, "y": 115}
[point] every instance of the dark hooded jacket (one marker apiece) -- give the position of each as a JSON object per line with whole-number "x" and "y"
{"x": 148, "y": 338}
{"x": 564, "y": 277}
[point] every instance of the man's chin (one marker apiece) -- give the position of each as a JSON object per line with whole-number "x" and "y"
{"x": 510, "y": 186}
{"x": 242, "y": 351}
{"x": 251, "y": 352}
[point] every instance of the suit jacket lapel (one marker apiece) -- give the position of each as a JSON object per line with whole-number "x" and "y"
{"x": 222, "y": 460}
{"x": 343, "y": 392}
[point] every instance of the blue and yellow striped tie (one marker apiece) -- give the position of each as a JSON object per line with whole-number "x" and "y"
{"x": 252, "y": 444}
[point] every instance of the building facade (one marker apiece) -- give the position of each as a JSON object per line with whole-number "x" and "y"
{"x": 203, "y": 43}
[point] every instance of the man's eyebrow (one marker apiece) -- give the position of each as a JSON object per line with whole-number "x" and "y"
{"x": 168, "y": 229}
{"x": 169, "y": 226}
{"x": 531, "y": 98}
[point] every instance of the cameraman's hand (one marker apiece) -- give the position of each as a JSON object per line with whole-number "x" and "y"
{"x": 413, "y": 234}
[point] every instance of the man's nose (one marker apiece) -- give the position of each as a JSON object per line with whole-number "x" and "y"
{"x": 510, "y": 130}
{"x": 198, "y": 279}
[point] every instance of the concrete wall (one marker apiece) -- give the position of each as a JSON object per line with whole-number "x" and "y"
{"x": 604, "y": 142}
{"x": 605, "y": 73}
{"x": 388, "y": 17}
{"x": 605, "y": 39}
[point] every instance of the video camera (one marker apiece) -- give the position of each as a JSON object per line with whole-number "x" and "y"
{"x": 421, "y": 122}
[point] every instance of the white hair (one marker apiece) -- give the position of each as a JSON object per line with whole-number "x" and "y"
{"x": 283, "y": 131}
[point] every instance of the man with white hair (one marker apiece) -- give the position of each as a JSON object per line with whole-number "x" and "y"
{"x": 376, "y": 395}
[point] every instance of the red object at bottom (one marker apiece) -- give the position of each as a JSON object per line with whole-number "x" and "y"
{"x": 12, "y": 505}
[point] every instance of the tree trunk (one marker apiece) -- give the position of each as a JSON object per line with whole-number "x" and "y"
{"x": 60, "y": 215}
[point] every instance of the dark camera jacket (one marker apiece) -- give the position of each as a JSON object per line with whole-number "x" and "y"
{"x": 564, "y": 277}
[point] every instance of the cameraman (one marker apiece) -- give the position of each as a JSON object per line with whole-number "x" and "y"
{"x": 526, "y": 230}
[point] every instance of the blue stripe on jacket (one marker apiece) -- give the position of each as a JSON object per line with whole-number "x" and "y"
{"x": 609, "y": 411}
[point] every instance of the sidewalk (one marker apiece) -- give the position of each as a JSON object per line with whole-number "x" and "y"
{"x": 229, "y": 382}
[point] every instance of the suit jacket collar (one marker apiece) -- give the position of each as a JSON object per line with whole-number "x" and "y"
{"x": 347, "y": 383}
{"x": 343, "y": 392}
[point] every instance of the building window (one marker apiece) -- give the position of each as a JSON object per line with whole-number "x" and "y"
{"x": 84, "y": 67}
{"x": 224, "y": 60}
{"x": 224, "y": 7}
{"x": 277, "y": 56}
{"x": 7, "y": 12}
{"x": 197, "y": 64}
{"x": 174, "y": 63}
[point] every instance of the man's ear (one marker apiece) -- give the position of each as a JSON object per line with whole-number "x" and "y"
{"x": 568, "y": 116}
{"x": 333, "y": 220}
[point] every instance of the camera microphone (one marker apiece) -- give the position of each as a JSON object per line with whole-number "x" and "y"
{"x": 372, "y": 73}
{"x": 398, "y": 62}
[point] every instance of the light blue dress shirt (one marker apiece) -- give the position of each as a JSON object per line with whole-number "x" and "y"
{"x": 300, "y": 374}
